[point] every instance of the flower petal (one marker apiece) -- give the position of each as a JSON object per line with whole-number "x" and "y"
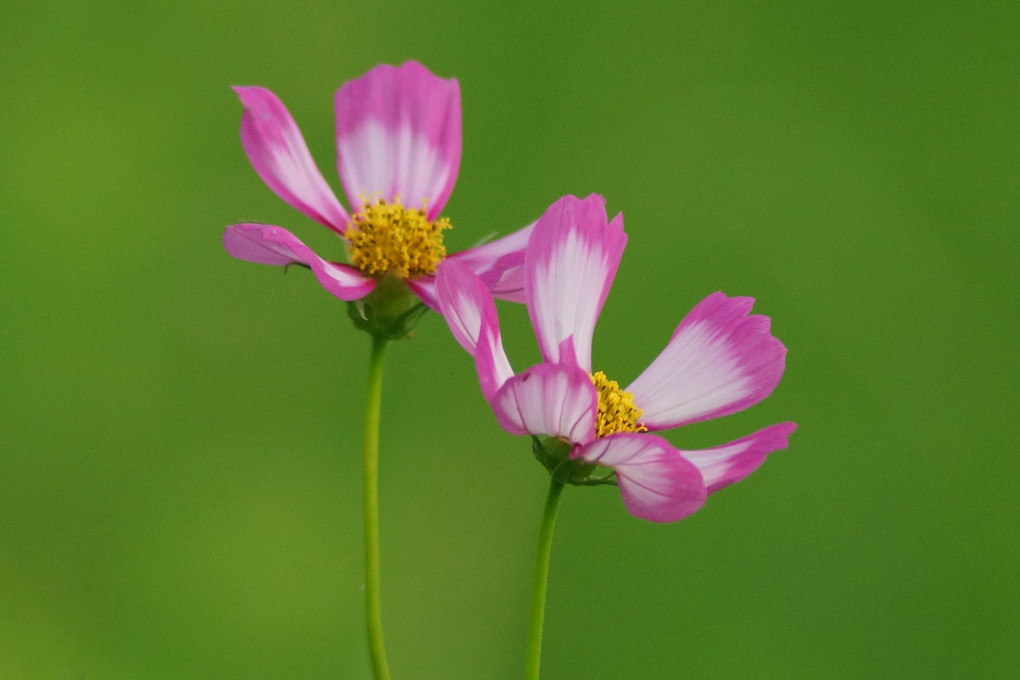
{"x": 467, "y": 306}
{"x": 656, "y": 483}
{"x": 425, "y": 288}
{"x": 266, "y": 244}
{"x": 719, "y": 361}
{"x": 398, "y": 132}
{"x": 729, "y": 463}
{"x": 558, "y": 400}
{"x": 572, "y": 258}
{"x": 500, "y": 264}
{"x": 276, "y": 148}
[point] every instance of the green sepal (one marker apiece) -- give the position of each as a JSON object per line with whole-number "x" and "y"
{"x": 390, "y": 311}
{"x": 554, "y": 454}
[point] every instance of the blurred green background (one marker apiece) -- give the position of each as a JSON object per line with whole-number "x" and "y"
{"x": 180, "y": 480}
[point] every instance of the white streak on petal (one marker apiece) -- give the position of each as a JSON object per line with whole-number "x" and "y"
{"x": 268, "y": 244}
{"x": 399, "y": 136}
{"x": 548, "y": 399}
{"x": 279, "y": 154}
{"x": 719, "y": 361}
{"x": 730, "y": 463}
{"x": 467, "y": 306}
{"x": 572, "y": 258}
{"x": 392, "y": 164}
{"x": 656, "y": 483}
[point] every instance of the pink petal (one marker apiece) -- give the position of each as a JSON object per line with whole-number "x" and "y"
{"x": 572, "y": 258}
{"x": 719, "y": 361}
{"x": 425, "y": 288}
{"x": 464, "y": 303}
{"x": 398, "y": 134}
{"x": 467, "y": 306}
{"x": 267, "y": 244}
{"x": 276, "y": 148}
{"x": 656, "y": 483}
{"x": 558, "y": 400}
{"x": 724, "y": 465}
{"x": 500, "y": 264}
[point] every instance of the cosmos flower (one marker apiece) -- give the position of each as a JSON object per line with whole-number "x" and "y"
{"x": 719, "y": 360}
{"x": 398, "y": 136}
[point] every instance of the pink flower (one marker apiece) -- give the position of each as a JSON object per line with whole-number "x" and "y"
{"x": 398, "y": 136}
{"x": 719, "y": 361}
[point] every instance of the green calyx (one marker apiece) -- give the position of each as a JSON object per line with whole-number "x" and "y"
{"x": 554, "y": 454}
{"x": 390, "y": 312}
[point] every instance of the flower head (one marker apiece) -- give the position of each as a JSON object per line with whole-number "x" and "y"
{"x": 398, "y": 136}
{"x": 719, "y": 360}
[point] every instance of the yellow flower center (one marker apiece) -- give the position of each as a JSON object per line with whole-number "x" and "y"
{"x": 616, "y": 412}
{"x": 387, "y": 238}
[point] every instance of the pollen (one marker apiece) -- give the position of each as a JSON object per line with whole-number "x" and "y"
{"x": 616, "y": 411}
{"x": 387, "y": 238}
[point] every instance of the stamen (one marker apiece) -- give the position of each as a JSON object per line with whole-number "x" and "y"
{"x": 387, "y": 238}
{"x": 616, "y": 410}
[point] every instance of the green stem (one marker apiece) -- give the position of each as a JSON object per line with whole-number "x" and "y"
{"x": 541, "y": 580}
{"x": 373, "y": 600}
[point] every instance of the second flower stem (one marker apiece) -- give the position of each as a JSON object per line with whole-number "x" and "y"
{"x": 373, "y": 599}
{"x": 541, "y": 580}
